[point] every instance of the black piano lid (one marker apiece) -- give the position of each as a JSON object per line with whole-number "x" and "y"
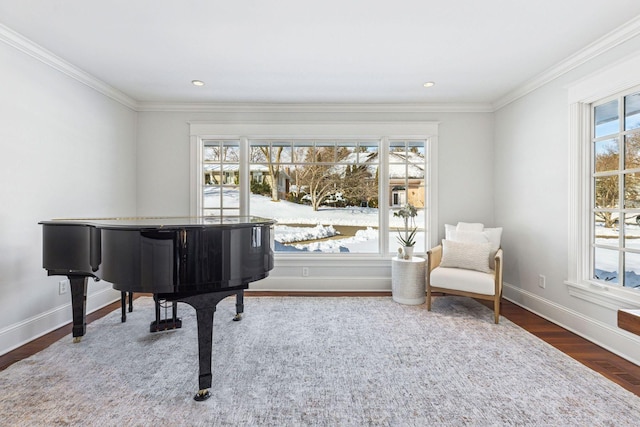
{"x": 163, "y": 222}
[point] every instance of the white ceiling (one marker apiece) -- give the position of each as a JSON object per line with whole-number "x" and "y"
{"x": 315, "y": 51}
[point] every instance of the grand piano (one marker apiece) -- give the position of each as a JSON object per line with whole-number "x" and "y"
{"x": 195, "y": 260}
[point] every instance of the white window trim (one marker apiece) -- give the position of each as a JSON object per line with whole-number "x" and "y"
{"x": 248, "y": 130}
{"x": 614, "y": 79}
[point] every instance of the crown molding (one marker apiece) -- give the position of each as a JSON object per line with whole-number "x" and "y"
{"x": 616, "y": 37}
{"x": 314, "y": 108}
{"x": 25, "y": 45}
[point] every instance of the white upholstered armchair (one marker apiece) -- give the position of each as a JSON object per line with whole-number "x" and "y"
{"x": 467, "y": 263}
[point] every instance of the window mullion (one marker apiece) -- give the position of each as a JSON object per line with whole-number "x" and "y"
{"x": 245, "y": 184}
{"x": 383, "y": 196}
{"x": 621, "y": 194}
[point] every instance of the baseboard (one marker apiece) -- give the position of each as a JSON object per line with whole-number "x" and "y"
{"x": 18, "y": 334}
{"x": 611, "y": 338}
{"x": 323, "y": 284}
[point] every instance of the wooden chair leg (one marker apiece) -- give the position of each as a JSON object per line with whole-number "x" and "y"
{"x": 496, "y": 309}
{"x": 428, "y": 299}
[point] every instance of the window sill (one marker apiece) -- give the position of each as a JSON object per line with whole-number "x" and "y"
{"x": 611, "y": 297}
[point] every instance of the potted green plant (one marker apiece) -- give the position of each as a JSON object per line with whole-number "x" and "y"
{"x": 407, "y": 238}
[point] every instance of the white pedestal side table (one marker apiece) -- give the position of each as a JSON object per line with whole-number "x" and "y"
{"x": 408, "y": 280}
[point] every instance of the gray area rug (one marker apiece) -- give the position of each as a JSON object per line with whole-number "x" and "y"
{"x": 297, "y": 361}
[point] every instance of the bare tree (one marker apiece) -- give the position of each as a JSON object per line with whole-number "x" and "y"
{"x": 607, "y": 187}
{"x": 273, "y": 156}
{"x": 318, "y": 177}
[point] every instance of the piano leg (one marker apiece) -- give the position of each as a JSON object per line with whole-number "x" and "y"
{"x": 205, "y": 306}
{"x": 123, "y": 304}
{"x": 78, "y": 305}
{"x": 239, "y": 305}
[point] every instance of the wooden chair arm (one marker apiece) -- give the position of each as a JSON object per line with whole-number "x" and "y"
{"x": 434, "y": 255}
{"x": 498, "y": 272}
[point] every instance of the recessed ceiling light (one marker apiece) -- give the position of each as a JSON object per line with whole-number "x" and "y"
{"x": 197, "y": 82}
{"x": 429, "y": 84}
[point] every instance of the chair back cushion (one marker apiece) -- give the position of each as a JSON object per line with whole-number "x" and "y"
{"x": 467, "y": 255}
{"x": 465, "y": 234}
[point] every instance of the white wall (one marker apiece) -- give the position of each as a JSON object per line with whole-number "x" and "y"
{"x": 67, "y": 151}
{"x": 532, "y": 202}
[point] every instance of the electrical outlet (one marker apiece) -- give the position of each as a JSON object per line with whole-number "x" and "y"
{"x": 542, "y": 281}
{"x": 305, "y": 271}
{"x": 63, "y": 286}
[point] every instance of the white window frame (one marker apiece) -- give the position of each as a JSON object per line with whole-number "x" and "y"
{"x": 617, "y": 78}
{"x": 383, "y": 131}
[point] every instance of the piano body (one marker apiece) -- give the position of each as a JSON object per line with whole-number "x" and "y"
{"x": 195, "y": 260}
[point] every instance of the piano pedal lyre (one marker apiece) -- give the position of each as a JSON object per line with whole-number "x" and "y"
{"x": 173, "y": 322}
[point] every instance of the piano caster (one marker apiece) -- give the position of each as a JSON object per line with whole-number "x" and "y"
{"x": 202, "y": 395}
{"x": 76, "y": 340}
{"x": 237, "y": 317}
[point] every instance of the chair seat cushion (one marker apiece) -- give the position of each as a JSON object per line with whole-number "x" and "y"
{"x": 463, "y": 280}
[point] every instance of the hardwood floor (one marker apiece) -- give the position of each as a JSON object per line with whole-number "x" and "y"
{"x": 613, "y": 367}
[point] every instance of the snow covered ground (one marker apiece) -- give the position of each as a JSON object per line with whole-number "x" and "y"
{"x": 606, "y": 260}
{"x": 298, "y": 223}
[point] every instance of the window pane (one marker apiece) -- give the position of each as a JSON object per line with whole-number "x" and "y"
{"x": 632, "y": 111}
{"x": 368, "y": 153}
{"x": 326, "y": 201}
{"x": 605, "y": 265}
{"x": 606, "y": 228}
{"x": 325, "y": 152}
{"x": 632, "y": 270}
{"x": 347, "y": 152}
{"x": 280, "y": 152}
{"x": 607, "y": 155}
{"x": 231, "y": 197}
{"x": 606, "y": 192}
{"x": 212, "y": 154}
{"x": 607, "y": 121}
{"x": 631, "y": 232}
{"x": 212, "y": 198}
{"x": 397, "y": 152}
{"x": 397, "y": 230}
{"x": 632, "y": 190}
{"x": 632, "y": 151}
{"x": 259, "y": 152}
{"x": 230, "y": 152}
{"x": 303, "y": 152}
{"x": 416, "y": 148}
